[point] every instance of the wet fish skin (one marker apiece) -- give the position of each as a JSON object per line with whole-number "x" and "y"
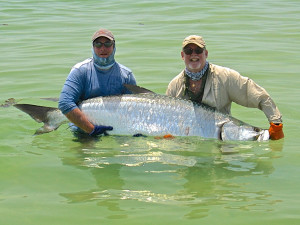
{"x": 154, "y": 115}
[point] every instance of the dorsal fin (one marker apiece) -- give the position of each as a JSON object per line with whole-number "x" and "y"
{"x": 137, "y": 89}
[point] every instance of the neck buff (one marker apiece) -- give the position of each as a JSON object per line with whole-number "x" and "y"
{"x": 198, "y": 75}
{"x": 104, "y": 63}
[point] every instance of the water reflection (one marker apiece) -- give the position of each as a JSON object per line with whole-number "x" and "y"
{"x": 195, "y": 174}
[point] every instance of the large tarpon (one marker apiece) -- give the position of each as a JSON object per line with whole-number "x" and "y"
{"x": 152, "y": 115}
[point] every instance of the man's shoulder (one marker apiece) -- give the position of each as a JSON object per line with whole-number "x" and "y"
{"x": 83, "y": 63}
{"x": 124, "y": 68}
{"x": 179, "y": 77}
{"x": 223, "y": 72}
{"x": 216, "y": 68}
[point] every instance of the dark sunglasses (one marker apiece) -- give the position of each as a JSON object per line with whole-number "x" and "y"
{"x": 100, "y": 44}
{"x": 189, "y": 51}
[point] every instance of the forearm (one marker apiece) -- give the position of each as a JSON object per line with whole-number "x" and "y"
{"x": 80, "y": 120}
{"x": 246, "y": 92}
{"x": 271, "y": 111}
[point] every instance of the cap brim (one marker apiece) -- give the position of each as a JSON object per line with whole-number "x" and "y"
{"x": 193, "y": 42}
{"x": 103, "y": 35}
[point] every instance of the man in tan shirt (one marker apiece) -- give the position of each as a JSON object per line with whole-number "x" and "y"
{"x": 218, "y": 86}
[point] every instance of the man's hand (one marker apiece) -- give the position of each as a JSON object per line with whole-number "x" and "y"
{"x": 275, "y": 131}
{"x": 100, "y": 130}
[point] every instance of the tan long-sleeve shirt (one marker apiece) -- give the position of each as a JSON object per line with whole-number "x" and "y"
{"x": 224, "y": 86}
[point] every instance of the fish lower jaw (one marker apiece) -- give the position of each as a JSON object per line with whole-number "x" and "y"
{"x": 263, "y": 136}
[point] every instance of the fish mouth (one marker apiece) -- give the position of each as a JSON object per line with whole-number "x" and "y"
{"x": 264, "y": 135}
{"x": 221, "y": 132}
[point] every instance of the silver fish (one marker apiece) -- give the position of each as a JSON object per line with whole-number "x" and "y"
{"x": 152, "y": 115}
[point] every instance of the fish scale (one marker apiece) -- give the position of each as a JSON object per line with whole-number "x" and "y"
{"x": 149, "y": 115}
{"x": 152, "y": 115}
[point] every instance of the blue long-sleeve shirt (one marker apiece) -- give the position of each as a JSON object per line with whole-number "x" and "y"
{"x": 85, "y": 81}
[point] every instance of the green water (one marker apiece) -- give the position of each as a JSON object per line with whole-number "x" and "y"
{"x": 53, "y": 179}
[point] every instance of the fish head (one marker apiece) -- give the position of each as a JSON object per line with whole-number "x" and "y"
{"x": 242, "y": 132}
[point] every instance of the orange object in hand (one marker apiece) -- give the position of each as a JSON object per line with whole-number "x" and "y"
{"x": 275, "y": 131}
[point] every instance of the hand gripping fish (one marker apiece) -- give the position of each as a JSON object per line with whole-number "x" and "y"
{"x": 150, "y": 114}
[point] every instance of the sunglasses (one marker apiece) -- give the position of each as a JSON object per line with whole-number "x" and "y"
{"x": 106, "y": 44}
{"x": 189, "y": 51}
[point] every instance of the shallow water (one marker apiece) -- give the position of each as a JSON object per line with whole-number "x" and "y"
{"x": 54, "y": 179}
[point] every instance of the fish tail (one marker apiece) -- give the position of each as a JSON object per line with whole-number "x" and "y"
{"x": 51, "y": 117}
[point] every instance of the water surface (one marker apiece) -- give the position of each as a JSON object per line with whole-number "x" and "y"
{"x": 54, "y": 179}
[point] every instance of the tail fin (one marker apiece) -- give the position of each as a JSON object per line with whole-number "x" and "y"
{"x": 51, "y": 117}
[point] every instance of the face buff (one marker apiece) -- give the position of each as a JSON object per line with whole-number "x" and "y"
{"x": 198, "y": 75}
{"x": 104, "y": 63}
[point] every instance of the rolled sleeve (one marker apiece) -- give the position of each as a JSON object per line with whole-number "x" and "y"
{"x": 70, "y": 93}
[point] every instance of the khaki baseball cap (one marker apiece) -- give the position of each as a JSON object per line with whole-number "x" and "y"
{"x": 103, "y": 33}
{"x": 194, "y": 39}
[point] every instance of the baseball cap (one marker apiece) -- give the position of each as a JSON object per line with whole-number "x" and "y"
{"x": 103, "y": 33}
{"x": 194, "y": 39}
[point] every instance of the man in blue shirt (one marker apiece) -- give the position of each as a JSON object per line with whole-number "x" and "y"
{"x": 99, "y": 75}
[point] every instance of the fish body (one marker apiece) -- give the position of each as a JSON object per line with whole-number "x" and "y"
{"x": 152, "y": 115}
